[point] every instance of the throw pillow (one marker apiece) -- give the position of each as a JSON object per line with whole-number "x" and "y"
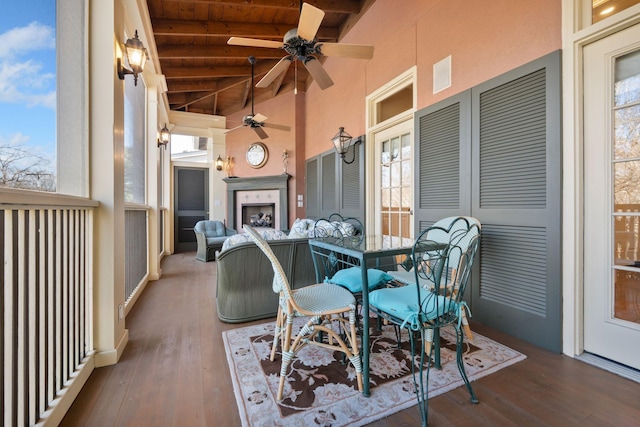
{"x": 351, "y": 278}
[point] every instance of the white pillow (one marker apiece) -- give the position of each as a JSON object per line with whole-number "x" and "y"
{"x": 267, "y": 234}
{"x": 301, "y": 228}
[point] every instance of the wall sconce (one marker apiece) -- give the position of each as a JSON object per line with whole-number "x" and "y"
{"x": 342, "y": 141}
{"x": 136, "y": 57}
{"x": 165, "y": 137}
{"x": 219, "y": 163}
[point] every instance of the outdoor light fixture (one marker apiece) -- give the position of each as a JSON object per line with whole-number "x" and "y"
{"x": 136, "y": 57}
{"x": 219, "y": 163}
{"x": 165, "y": 136}
{"x": 342, "y": 141}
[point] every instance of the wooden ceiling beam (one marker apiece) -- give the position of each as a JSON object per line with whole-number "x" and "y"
{"x": 193, "y": 28}
{"x": 181, "y": 51}
{"x": 194, "y": 86}
{"x": 333, "y": 6}
{"x": 245, "y": 94}
{"x": 177, "y": 72}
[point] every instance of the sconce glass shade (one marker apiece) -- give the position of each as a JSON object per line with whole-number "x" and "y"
{"x": 165, "y": 136}
{"x": 219, "y": 163}
{"x": 341, "y": 142}
{"x": 136, "y": 55}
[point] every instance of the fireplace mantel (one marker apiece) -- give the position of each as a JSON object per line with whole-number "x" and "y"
{"x": 274, "y": 182}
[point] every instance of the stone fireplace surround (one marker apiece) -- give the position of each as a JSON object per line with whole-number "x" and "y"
{"x": 268, "y": 189}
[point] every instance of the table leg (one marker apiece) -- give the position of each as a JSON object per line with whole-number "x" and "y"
{"x": 365, "y": 331}
{"x": 436, "y": 342}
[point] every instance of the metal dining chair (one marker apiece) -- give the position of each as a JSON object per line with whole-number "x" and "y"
{"x": 442, "y": 261}
{"x": 406, "y": 275}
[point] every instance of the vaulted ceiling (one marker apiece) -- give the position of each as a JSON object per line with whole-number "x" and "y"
{"x": 206, "y": 75}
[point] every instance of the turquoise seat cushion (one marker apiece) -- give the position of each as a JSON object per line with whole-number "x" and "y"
{"x": 351, "y": 278}
{"x": 402, "y": 303}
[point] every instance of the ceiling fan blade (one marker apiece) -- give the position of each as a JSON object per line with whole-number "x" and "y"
{"x": 318, "y": 73}
{"x": 261, "y": 133}
{"x": 259, "y": 118}
{"x": 310, "y": 19}
{"x": 242, "y": 41}
{"x": 235, "y": 128}
{"x": 273, "y": 73}
{"x": 275, "y": 126}
{"x": 358, "y": 51}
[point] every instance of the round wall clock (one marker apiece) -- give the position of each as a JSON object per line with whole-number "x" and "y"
{"x": 257, "y": 155}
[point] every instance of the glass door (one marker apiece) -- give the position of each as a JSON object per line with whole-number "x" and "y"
{"x": 612, "y": 197}
{"x": 394, "y": 195}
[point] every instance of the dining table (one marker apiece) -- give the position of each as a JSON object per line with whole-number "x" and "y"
{"x": 365, "y": 251}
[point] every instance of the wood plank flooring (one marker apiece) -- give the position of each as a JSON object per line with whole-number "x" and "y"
{"x": 174, "y": 373}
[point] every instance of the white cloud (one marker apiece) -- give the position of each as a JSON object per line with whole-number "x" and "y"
{"x": 22, "y": 81}
{"x": 16, "y": 139}
{"x": 21, "y": 40}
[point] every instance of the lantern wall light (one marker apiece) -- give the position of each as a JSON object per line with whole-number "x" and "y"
{"x": 342, "y": 141}
{"x": 219, "y": 163}
{"x": 136, "y": 55}
{"x": 165, "y": 137}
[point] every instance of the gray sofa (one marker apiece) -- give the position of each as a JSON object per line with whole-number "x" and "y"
{"x": 244, "y": 278}
{"x": 210, "y": 235}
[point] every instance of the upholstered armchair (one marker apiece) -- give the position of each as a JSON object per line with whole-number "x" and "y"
{"x": 210, "y": 236}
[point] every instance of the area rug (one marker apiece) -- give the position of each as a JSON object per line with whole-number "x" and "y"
{"x": 321, "y": 390}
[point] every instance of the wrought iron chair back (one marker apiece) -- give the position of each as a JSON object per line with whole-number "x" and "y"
{"x": 443, "y": 258}
{"x": 346, "y": 229}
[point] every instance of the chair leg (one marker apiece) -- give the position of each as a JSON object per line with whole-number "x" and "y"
{"x": 287, "y": 353}
{"x": 460, "y": 362}
{"x": 428, "y": 341}
{"x": 421, "y": 373}
{"x": 465, "y": 324}
{"x": 355, "y": 357}
{"x": 277, "y": 335}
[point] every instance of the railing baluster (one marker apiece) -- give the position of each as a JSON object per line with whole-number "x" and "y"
{"x": 47, "y": 257}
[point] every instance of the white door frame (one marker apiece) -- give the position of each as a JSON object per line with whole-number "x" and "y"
{"x": 577, "y": 34}
{"x": 408, "y": 78}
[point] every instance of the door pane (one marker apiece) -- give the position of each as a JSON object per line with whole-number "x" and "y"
{"x": 602, "y": 9}
{"x": 396, "y": 189}
{"x": 626, "y": 191}
{"x": 627, "y": 301}
{"x": 625, "y": 248}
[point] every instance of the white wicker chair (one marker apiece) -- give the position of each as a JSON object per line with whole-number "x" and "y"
{"x": 331, "y": 310}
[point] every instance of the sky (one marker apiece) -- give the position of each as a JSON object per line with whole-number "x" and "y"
{"x": 28, "y": 75}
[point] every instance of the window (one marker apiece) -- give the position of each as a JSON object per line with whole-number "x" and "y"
{"x": 134, "y": 142}
{"x": 28, "y": 95}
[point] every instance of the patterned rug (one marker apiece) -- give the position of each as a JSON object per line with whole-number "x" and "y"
{"x": 321, "y": 390}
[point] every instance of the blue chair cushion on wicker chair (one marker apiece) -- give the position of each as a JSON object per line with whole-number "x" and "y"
{"x": 351, "y": 278}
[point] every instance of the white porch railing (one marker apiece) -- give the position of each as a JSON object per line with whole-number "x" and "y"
{"x": 47, "y": 293}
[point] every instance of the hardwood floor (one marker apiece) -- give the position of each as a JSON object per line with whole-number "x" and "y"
{"x": 174, "y": 373}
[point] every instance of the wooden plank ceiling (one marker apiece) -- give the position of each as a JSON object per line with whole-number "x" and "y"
{"x": 206, "y": 75}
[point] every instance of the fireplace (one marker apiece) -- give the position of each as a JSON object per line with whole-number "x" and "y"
{"x": 258, "y": 215}
{"x": 247, "y": 197}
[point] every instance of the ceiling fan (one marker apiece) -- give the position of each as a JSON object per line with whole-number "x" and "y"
{"x": 300, "y": 44}
{"x": 257, "y": 121}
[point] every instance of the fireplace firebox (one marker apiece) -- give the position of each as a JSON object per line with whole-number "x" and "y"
{"x": 258, "y": 215}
